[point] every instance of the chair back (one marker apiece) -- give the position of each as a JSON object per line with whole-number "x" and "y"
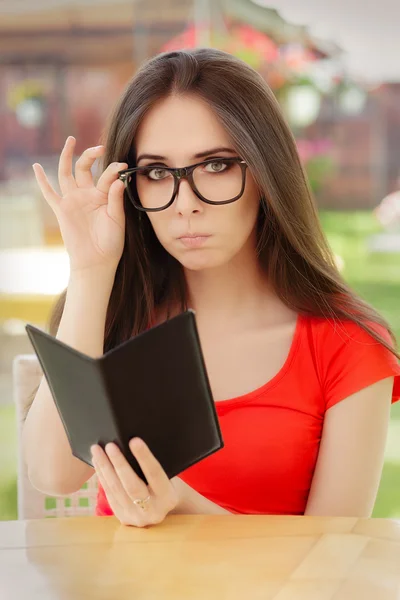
{"x": 33, "y": 504}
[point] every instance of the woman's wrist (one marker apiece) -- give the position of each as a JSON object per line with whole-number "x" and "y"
{"x": 91, "y": 274}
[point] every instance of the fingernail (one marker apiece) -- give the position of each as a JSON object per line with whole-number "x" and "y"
{"x": 137, "y": 443}
{"x": 112, "y": 451}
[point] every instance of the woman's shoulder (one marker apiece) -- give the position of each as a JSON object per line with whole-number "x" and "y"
{"x": 349, "y": 358}
{"x": 337, "y": 333}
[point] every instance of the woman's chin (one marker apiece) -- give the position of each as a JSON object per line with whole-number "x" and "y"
{"x": 198, "y": 261}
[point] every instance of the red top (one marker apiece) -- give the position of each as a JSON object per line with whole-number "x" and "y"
{"x": 272, "y": 434}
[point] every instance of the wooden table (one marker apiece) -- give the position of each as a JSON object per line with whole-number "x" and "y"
{"x": 201, "y": 557}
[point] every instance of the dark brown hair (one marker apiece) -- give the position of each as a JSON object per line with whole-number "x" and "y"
{"x": 291, "y": 244}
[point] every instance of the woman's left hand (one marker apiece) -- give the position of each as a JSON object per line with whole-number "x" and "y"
{"x": 123, "y": 486}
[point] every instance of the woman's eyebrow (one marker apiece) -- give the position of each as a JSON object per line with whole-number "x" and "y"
{"x": 198, "y": 155}
{"x": 214, "y": 151}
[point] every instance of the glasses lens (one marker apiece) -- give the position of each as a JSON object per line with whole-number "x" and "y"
{"x": 218, "y": 181}
{"x": 151, "y": 187}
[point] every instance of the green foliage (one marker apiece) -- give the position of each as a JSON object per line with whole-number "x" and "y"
{"x": 318, "y": 168}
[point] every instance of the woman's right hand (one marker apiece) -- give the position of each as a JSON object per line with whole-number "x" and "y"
{"x": 91, "y": 218}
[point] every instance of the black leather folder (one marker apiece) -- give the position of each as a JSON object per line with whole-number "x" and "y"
{"x": 153, "y": 386}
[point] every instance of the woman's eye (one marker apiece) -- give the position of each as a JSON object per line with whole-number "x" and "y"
{"x": 216, "y": 167}
{"x": 157, "y": 174}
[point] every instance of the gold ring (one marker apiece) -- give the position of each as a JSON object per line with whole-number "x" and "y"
{"x": 142, "y": 503}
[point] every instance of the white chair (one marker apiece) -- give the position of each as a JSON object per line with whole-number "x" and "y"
{"x": 32, "y": 504}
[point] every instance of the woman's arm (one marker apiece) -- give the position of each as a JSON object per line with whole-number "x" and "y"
{"x": 351, "y": 455}
{"x": 51, "y": 466}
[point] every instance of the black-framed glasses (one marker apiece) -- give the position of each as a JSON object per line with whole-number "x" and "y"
{"x": 152, "y": 188}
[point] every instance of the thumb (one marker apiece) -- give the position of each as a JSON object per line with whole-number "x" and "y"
{"x": 115, "y": 205}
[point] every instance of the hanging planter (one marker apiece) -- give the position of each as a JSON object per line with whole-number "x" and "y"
{"x": 27, "y": 99}
{"x": 301, "y": 103}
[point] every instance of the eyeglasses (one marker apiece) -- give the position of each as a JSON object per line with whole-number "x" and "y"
{"x": 215, "y": 181}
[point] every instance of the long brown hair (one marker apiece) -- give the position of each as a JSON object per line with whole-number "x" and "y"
{"x": 291, "y": 243}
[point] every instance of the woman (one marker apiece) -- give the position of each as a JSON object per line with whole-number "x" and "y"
{"x": 208, "y": 208}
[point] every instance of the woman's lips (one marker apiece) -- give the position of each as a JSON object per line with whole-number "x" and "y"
{"x": 193, "y": 241}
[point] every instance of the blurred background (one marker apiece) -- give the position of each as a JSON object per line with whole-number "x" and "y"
{"x": 335, "y": 72}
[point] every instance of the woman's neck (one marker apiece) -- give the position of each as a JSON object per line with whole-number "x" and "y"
{"x": 236, "y": 293}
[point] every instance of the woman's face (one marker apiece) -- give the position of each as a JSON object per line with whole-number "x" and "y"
{"x": 185, "y": 131}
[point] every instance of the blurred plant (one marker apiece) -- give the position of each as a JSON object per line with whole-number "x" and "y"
{"x": 317, "y": 159}
{"x": 250, "y": 45}
{"x": 283, "y": 65}
{"x": 28, "y": 89}
{"x": 241, "y": 40}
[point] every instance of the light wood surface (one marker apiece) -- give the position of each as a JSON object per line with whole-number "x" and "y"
{"x": 201, "y": 557}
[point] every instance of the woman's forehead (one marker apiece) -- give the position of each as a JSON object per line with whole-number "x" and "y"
{"x": 180, "y": 123}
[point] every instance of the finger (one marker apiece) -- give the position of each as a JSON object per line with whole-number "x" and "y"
{"x": 115, "y": 204}
{"x": 49, "y": 194}
{"x": 65, "y": 177}
{"x": 84, "y": 164}
{"x": 133, "y": 486}
{"x": 112, "y": 485}
{"x": 153, "y": 471}
{"x": 115, "y": 507}
{"x": 110, "y": 175}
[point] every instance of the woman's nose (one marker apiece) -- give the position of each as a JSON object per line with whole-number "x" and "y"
{"x": 186, "y": 201}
